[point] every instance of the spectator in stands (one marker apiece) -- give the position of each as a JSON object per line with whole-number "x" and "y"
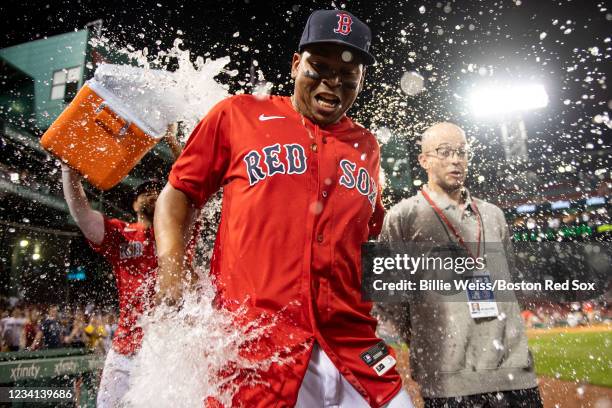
{"x": 30, "y": 330}
{"x": 95, "y": 333}
{"x": 110, "y": 325}
{"x": 76, "y": 334}
{"x": 51, "y": 329}
{"x": 12, "y": 327}
{"x": 66, "y": 318}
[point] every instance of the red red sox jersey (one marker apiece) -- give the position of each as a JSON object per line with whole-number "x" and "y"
{"x": 298, "y": 201}
{"x": 130, "y": 249}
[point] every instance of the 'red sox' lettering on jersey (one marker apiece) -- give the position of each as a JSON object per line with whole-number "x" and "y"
{"x": 298, "y": 201}
{"x": 259, "y": 166}
{"x": 294, "y": 154}
{"x": 360, "y": 180}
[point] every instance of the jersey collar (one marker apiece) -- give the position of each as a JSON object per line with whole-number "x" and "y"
{"x": 345, "y": 124}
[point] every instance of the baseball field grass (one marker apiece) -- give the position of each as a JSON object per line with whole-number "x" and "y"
{"x": 585, "y": 357}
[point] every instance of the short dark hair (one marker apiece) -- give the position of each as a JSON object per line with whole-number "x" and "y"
{"x": 152, "y": 185}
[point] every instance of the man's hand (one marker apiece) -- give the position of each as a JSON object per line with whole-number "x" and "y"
{"x": 173, "y": 143}
{"x": 66, "y": 168}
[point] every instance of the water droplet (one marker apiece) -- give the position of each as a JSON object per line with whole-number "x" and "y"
{"x": 412, "y": 83}
{"x": 316, "y": 207}
{"x": 347, "y": 56}
{"x": 383, "y": 134}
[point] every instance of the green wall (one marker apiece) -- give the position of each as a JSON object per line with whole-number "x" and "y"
{"x": 39, "y": 59}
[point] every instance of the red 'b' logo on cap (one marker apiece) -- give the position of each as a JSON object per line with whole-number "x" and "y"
{"x": 344, "y": 24}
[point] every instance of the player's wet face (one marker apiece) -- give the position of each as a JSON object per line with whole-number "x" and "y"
{"x": 328, "y": 79}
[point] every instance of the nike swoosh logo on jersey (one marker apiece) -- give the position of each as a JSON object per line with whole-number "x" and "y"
{"x": 263, "y": 117}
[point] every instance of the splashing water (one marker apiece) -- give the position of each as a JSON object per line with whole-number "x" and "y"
{"x": 159, "y": 97}
{"x": 193, "y": 355}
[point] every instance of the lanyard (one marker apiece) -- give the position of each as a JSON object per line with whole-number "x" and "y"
{"x": 452, "y": 227}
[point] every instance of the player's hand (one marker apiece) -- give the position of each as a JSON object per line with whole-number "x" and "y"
{"x": 66, "y": 168}
{"x": 169, "y": 292}
{"x": 172, "y": 141}
{"x": 70, "y": 174}
{"x": 172, "y": 131}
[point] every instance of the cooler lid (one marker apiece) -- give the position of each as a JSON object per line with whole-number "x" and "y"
{"x": 143, "y": 96}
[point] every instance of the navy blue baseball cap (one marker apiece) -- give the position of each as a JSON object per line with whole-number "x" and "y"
{"x": 338, "y": 27}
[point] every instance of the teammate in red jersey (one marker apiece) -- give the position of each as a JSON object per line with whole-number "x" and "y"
{"x": 300, "y": 195}
{"x": 130, "y": 249}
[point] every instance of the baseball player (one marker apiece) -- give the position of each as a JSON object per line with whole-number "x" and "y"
{"x": 130, "y": 249}
{"x": 300, "y": 195}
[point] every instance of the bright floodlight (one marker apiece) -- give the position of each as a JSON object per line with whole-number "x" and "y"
{"x": 496, "y": 100}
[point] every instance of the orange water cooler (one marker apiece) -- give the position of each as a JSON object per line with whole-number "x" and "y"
{"x": 99, "y": 136}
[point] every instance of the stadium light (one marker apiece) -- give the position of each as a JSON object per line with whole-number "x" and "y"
{"x": 502, "y": 99}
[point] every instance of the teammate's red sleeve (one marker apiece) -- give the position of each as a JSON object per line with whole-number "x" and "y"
{"x": 199, "y": 170}
{"x": 109, "y": 247}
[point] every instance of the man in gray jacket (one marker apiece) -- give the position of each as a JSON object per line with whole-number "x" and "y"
{"x": 463, "y": 352}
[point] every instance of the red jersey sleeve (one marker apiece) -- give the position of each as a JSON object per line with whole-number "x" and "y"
{"x": 376, "y": 221}
{"x": 109, "y": 247}
{"x": 200, "y": 169}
